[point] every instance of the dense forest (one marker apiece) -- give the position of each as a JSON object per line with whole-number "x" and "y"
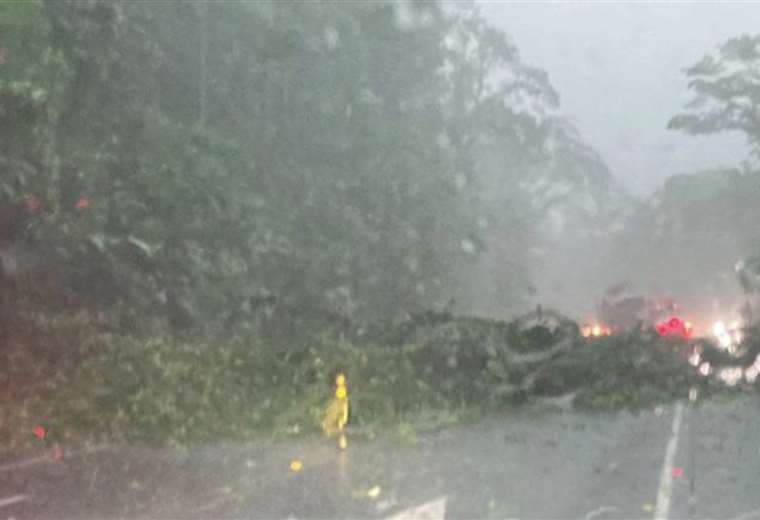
{"x": 363, "y": 159}
{"x": 183, "y": 171}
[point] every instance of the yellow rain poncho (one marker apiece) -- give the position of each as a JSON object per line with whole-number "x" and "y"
{"x": 336, "y": 415}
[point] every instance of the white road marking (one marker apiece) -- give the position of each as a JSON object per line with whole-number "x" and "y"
{"x": 8, "y": 501}
{"x": 433, "y": 510}
{"x": 665, "y": 491}
{"x": 601, "y": 511}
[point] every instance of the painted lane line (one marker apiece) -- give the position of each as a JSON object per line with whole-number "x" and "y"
{"x": 665, "y": 490}
{"x": 601, "y": 511}
{"x": 432, "y": 510}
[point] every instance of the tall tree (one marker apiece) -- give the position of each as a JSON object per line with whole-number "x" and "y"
{"x": 726, "y": 90}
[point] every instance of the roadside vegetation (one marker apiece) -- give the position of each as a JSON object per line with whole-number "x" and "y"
{"x": 207, "y": 209}
{"x": 90, "y": 383}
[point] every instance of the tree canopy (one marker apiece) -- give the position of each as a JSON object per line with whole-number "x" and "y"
{"x": 370, "y": 159}
{"x": 718, "y": 208}
{"x": 726, "y": 91}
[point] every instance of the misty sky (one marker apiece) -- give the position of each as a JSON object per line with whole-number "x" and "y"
{"x": 618, "y": 68}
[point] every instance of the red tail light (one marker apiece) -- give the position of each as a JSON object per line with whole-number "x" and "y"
{"x": 674, "y": 327}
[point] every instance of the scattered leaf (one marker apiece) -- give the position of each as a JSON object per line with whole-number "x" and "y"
{"x": 99, "y": 241}
{"x": 33, "y": 203}
{"x": 146, "y": 248}
{"x": 83, "y": 203}
{"x": 57, "y": 452}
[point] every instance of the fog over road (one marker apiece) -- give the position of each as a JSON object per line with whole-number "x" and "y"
{"x": 619, "y": 69}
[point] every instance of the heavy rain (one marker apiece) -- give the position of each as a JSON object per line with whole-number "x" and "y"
{"x": 388, "y": 259}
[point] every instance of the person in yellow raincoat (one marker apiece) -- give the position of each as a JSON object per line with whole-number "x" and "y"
{"x": 336, "y": 415}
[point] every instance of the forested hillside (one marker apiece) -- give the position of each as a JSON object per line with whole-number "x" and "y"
{"x": 209, "y": 209}
{"x": 367, "y": 159}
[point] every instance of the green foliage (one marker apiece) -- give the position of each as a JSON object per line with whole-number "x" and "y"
{"x": 437, "y": 371}
{"x": 90, "y": 386}
{"x": 726, "y": 92}
{"x": 632, "y": 372}
{"x": 357, "y": 159}
{"x": 706, "y": 217}
{"x": 313, "y": 150}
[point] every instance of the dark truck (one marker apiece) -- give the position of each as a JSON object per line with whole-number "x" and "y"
{"x": 620, "y": 310}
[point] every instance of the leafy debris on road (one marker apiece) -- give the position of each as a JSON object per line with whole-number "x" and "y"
{"x": 427, "y": 371}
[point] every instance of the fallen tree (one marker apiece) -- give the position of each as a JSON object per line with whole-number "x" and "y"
{"x": 99, "y": 384}
{"x": 543, "y": 355}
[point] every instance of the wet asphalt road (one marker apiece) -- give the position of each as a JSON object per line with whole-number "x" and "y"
{"x": 526, "y": 465}
{"x": 724, "y": 462}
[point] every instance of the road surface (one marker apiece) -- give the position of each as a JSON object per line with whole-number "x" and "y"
{"x": 673, "y": 462}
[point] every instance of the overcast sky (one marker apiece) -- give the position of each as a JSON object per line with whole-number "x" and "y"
{"x": 618, "y": 68}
